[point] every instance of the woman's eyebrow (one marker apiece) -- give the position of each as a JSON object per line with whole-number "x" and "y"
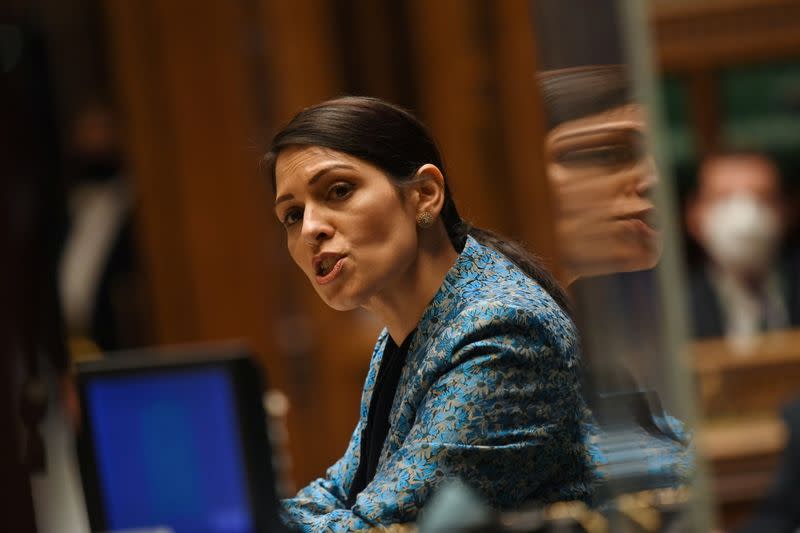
{"x": 283, "y": 198}
{"x": 317, "y": 175}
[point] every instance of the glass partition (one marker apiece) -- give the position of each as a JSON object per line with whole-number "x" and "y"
{"x": 620, "y": 252}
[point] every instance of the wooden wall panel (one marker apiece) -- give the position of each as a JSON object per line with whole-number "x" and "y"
{"x": 136, "y": 58}
{"x": 521, "y": 113}
{"x": 303, "y": 67}
{"x": 703, "y": 35}
{"x": 184, "y": 88}
{"x": 301, "y": 55}
{"x": 200, "y": 81}
{"x": 225, "y": 205}
{"x": 453, "y": 79}
{"x": 704, "y": 112}
{"x": 202, "y": 206}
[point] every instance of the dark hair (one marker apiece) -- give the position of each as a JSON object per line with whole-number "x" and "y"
{"x": 576, "y": 92}
{"x": 395, "y": 141}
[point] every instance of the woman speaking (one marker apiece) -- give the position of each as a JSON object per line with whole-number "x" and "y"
{"x": 476, "y": 375}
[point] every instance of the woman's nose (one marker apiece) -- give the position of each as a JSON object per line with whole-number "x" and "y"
{"x": 648, "y": 178}
{"x": 315, "y": 228}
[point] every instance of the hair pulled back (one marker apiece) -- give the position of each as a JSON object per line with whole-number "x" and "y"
{"x": 396, "y": 142}
{"x": 577, "y": 92}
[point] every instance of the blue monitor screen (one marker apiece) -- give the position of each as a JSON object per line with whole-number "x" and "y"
{"x": 168, "y": 451}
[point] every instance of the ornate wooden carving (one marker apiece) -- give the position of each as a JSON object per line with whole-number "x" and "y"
{"x": 691, "y": 35}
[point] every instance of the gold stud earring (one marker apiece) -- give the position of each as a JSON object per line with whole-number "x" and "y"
{"x": 425, "y": 219}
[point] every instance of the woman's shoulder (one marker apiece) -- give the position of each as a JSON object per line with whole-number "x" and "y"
{"x": 538, "y": 327}
{"x": 486, "y": 282}
{"x": 489, "y": 297}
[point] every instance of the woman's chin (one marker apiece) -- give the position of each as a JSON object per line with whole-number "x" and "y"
{"x": 641, "y": 259}
{"x": 341, "y": 307}
{"x": 339, "y": 302}
{"x": 602, "y": 255}
{"x": 638, "y": 250}
{"x": 630, "y": 260}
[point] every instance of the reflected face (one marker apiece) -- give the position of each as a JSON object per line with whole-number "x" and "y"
{"x": 347, "y": 226}
{"x": 602, "y": 177}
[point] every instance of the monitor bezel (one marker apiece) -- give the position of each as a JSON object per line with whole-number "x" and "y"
{"x": 247, "y": 379}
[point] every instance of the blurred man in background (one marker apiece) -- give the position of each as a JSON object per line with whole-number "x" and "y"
{"x": 738, "y": 217}
{"x": 98, "y": 266}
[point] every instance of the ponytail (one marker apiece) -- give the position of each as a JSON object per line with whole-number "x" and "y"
{"x": 458, "y": 229}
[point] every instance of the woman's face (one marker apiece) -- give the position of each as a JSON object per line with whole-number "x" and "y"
{"x": 602, "y": 177}
{"x": 347, "y": 225}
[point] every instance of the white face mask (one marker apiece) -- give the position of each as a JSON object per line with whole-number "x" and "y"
{"x": 741, "y": 233}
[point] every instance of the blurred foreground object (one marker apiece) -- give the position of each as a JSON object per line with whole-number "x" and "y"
{"x": 31, "y": 334}
{"x": 177, "y": 437}
{"x": 596, "y": 82}
{"x": 99, "y": 267}
{"x": 456, "y": 508}
{"x": 600, "y": 172}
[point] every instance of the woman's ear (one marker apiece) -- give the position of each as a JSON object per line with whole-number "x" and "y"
{"x": 429, "y": 189}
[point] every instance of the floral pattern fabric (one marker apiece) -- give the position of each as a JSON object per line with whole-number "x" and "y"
{"x": 490, "y": 394}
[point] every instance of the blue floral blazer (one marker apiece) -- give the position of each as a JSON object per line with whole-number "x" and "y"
{"x": 490, "y": 394}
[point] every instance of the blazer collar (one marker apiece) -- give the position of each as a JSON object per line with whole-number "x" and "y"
{"x": 445, "y": 301}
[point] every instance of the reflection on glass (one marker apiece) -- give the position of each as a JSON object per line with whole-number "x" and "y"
{"x": 600, "y": 172}
{"x": 609, "y": 232}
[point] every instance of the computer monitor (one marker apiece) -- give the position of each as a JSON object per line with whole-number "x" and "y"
{"x": 176, "y": 440}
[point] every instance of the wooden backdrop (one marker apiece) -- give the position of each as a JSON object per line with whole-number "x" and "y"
{"x": 202, "y": 83}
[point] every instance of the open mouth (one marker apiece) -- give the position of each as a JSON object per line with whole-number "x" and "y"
{"x": 646, "y": 216}
{"x": 327, "y": 266}
{"x": 642, "y": 225}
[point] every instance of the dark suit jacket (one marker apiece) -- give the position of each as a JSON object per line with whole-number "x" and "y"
{"x": 708, "y": 319}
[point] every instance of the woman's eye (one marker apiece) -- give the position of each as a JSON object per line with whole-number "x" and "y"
{"x": 611, "y": 155}
{"x": 339, "y": 191}
{"x": 292, "y": 216}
